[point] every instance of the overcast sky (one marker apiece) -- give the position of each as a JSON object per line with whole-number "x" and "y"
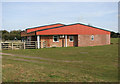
{"x": 22, "y": 15}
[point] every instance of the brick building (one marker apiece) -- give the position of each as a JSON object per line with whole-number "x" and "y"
{"x": 60, "y": 35}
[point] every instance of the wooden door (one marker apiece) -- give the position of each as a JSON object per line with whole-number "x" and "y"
{"x": 62, "y": 42}
{"x": 76, "y": 40}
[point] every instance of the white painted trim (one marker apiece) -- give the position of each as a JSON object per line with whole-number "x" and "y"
{"x": 38, "y": 41}
{"x": 65, "y": 40}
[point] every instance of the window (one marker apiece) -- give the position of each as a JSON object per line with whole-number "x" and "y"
{"x": 71, "y": 38}
{"x": 55, "y": 39}
{"x": 92, "y": 37}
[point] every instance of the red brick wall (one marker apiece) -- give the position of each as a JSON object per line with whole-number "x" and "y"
{"x": 80, "y": 40}
{"x": 85, "y": 40}
{"x": 50, "y": 42}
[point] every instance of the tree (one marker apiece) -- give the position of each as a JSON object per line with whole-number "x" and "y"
{"x": 11, "y": 35}
{"x": 114, "y": 35}
{"x": 15, "y": 34}
{"x": 5, "y": 34}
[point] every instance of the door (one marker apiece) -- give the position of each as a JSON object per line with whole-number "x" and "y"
{"x": 76, "y": 40}
{"x": 62, "y": 42}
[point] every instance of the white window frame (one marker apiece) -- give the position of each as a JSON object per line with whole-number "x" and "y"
{"x": 57, "y": 38}
{"x": 92, "y": 36}
{"x": 70, "y": 37}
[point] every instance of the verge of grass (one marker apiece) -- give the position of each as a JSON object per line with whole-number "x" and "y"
{"x": 98, "y": 63}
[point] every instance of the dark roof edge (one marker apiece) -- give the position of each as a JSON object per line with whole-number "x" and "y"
{"x": 45, "y": 25}
{"x": 47, "y": 29}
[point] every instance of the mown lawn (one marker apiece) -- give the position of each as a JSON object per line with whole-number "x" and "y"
{"x": 71, "y": 64}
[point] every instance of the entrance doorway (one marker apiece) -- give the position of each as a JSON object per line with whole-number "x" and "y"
{"x": 62, "y": 42}
{"x": 76, "y": 40}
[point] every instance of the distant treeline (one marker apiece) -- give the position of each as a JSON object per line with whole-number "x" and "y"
{"x": 115, "y": 35}
{"x": 12, "y": 35}
{"x": 15, "y": 35}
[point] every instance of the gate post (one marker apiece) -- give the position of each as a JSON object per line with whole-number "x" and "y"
{"x": 12, "y": 45}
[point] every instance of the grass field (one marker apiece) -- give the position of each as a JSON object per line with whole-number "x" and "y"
{"x": 78, "y": 64}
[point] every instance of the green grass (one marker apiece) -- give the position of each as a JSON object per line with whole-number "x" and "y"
{"x": 114, "y": 40}
{"x": 98, "y": 63}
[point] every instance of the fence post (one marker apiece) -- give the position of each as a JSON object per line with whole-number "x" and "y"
{"x": 12, "y": 46}
{"x": 24, "y": 45}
